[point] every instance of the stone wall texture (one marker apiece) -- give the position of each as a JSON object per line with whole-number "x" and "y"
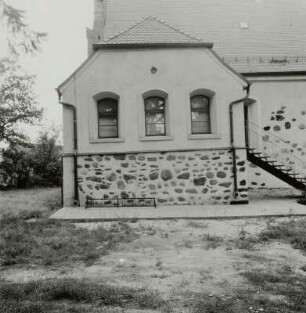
{"x": 199, "y": 177}
{"x": 281, "y": 112}
{"x": 290, "y": 126}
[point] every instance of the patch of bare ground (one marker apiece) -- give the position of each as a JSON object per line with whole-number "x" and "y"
{"x": 224, "y": 266}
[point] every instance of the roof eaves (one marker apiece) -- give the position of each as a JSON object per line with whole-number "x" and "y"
{"x": 229, "y": 67}
{"x": 275, "y": 73}
{"x": 58, "y": 89}
{"x": 106, "y": 45}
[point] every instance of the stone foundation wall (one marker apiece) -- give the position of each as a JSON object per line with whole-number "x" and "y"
{"x": 171, "y": 178}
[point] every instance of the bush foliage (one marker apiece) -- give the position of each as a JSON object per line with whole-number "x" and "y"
{"x": 37, "y": 164}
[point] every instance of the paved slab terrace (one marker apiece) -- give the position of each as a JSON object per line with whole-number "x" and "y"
{"x": 257, "y": 208}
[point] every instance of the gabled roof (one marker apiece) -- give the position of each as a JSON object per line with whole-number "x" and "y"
{"x": 238, "y": 28}
{"x": 151, "y": 30}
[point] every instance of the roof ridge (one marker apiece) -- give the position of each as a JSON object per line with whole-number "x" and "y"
{"x": 177, "y": 29}
{"x": 121, "y": 32}
{"x": 142, "y": 20}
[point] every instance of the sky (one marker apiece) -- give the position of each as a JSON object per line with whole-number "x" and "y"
{"x": 65, "y": 47}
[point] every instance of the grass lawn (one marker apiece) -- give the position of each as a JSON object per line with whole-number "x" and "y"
{"x": 192, "y": 266}
{"x": 39, "y": 199}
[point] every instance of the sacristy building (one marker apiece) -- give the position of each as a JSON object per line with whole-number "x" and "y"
{"x": 187, "y": 102}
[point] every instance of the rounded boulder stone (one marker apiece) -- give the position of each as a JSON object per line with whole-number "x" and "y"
{"x": 112, "y": 177}
{"x": 166, "y": 175}
{"x": 183, "y": 176}
{"x": 210, "y": 175}
{"x": 154, "y": 176}
{"x": 221, "y": 174}
{"x": 199, "y": 181}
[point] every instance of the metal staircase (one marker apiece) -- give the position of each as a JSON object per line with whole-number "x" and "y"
{"x": 276, "y": 156}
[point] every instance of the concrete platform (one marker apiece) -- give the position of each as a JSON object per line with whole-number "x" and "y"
{"x": 257, "y": 208}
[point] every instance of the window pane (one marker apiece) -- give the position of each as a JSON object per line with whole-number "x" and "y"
{"x": 200, "y": 103}
{"x": 107, "y": 106}
{"x": 155, "y": 118}
{"x": 199, "y": 116}
{"x": 154, "y": 103}
{"x": 108, "y": 120}
{"x": 108, "y": 131}
{"x": 200, "y": 128}
{"x": 155, "y": 129}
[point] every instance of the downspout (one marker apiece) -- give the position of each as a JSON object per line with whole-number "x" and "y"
{"x": 75, "y": 148}
{"x": 233, "y": 148}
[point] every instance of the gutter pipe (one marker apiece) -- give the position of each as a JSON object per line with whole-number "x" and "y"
{"x": 75, "y": 147}
{"x": 233, "y": 148}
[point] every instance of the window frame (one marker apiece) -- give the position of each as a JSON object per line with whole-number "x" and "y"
{"x": 114, "y": 115}
{"x": 200, "y": 110}
{"x": 93, "y": 118}
{"x": 148, "y": 112}
{"x": 215, "y": 127}
{"x": 168, "y": 116}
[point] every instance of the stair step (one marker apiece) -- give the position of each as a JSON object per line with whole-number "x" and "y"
{"x": 288, "y": 170}
{"x": 302, "y": 179}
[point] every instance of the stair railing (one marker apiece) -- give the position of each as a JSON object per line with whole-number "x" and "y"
{"x": 275, "y": 148}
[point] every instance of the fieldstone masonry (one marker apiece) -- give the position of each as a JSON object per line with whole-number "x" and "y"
{"x": 171, "y": 178}
{"x": 290, "y": 127}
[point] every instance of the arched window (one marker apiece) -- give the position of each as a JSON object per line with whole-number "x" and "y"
{"x": 155, "y": 119}
{"x": 108, "y": 118}
{"x": 200, "y": 114}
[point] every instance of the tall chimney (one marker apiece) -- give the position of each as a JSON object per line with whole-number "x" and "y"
{"x": 96, "y": 34}
{"x": 99, "y": 17}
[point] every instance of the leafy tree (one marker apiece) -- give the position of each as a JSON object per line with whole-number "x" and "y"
{"x": 38, "y": 164}
{"x": 47, "y": 165}
{"x": 17, "y": 102}
{"x": 16, "y": 167}
{"x": 21, "y": 38}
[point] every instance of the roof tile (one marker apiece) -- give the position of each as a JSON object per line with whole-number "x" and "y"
{"x": 244, "y": 28}
{"x": 151, "y": 30}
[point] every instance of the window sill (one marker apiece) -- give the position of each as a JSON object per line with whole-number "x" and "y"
{"x": 106, "y": 140}
{"x": 204, "y": 136}
{"x": 156, "y": 138}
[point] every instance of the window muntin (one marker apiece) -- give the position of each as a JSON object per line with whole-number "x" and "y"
{"x": 108, "y": 118}
{"x": 155, "y": 119}
{"x": 200, "y": 115}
